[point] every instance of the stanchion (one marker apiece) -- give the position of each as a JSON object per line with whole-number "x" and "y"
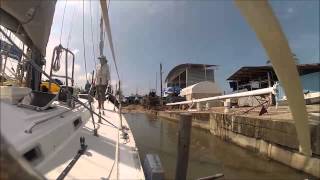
{"x": 183, "y": 146}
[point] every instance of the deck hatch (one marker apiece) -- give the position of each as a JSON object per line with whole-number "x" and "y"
{"x": 77, "y": 123}
{"x": 33, "y": 154}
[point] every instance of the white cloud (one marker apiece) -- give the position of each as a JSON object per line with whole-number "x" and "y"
{"x": 53, "y": 42}
{"x": 77, "y": 68}
{"x": 80, "y": 79}
{"x": 75, "y": 51}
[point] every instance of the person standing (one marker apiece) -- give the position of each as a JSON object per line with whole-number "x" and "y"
{"x": 87, "y": 87}
{"x": 102, "y": 80}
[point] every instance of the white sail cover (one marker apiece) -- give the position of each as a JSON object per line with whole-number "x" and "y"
{"x": 36, "y": 18}
{"x": 206, "y": 87}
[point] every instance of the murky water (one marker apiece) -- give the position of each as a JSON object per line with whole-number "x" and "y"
{"x": 208, "y": 154}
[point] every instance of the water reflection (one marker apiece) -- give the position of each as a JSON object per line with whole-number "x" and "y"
{"x": 208, "y": 154}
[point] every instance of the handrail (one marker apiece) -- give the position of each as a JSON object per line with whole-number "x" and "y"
{"x": 34, "y": 124}
{"x": 67, "y": 51}
{"x": 56, "y": 54}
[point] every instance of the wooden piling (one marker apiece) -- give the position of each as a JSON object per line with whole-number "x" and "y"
{"x": 183, "y": 146}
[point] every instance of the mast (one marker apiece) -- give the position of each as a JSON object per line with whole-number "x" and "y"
{"x": 161, "y": 93}
{"x": 156, "y": 82}
{"x": 37, "y": 58}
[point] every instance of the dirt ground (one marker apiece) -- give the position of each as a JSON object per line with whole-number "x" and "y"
{"x": 133, "y": 108}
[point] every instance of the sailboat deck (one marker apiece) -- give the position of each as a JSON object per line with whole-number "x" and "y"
{"x": 16, "y": 121}
{"x": 103, "y": 159}
{"x": 107, "y": 155}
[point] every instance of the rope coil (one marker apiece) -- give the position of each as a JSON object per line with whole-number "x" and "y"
{"x": 57, "y": 59}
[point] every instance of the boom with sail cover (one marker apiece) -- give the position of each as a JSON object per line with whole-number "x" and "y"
{"x": 33, "y": 17}
{"x": 31, "y": 22}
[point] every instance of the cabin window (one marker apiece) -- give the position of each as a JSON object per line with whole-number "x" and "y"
{"x": 77, "y": 123}
{"x": 33, "y": 154}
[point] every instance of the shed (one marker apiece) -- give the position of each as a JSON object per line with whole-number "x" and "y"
{"x": 257, "y": 77}
{"x": 201, "y": 90}
{"x": 184, "y": 75}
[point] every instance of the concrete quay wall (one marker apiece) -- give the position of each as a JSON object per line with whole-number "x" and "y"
{"x": 274, "y": 139}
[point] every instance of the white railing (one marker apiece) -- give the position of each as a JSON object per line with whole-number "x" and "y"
{"x": 230, "y": 96}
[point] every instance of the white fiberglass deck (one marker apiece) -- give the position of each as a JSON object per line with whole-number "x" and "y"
{"x": 107, "y": 156}
{"x": 100, "y": 160}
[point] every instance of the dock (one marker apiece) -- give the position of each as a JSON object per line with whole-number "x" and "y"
{"x": 272, "y": 135}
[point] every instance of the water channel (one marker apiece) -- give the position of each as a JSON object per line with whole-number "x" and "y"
{"x": 208, "y": 154}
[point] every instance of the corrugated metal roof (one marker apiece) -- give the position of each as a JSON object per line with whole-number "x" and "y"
{"x": 261, "y": 71}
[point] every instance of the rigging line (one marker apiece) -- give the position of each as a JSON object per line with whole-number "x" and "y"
{"x": 108, "y": 5}
{"x": 108, "y": 29}
{"x": 93, "y": 49}
{"x": 104, "y": 34}
{"x": 98, "y": 21}
{"x": 83, "y": 42}
{"x": 71, "y": 27}
{"x": 64, "y": 10}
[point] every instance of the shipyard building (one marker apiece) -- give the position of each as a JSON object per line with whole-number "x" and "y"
{"x": 193, "y": 81}
{"x": 249, "y": 78}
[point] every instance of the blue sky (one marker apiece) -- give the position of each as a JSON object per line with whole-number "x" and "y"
{"x": 146, "y": 33}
